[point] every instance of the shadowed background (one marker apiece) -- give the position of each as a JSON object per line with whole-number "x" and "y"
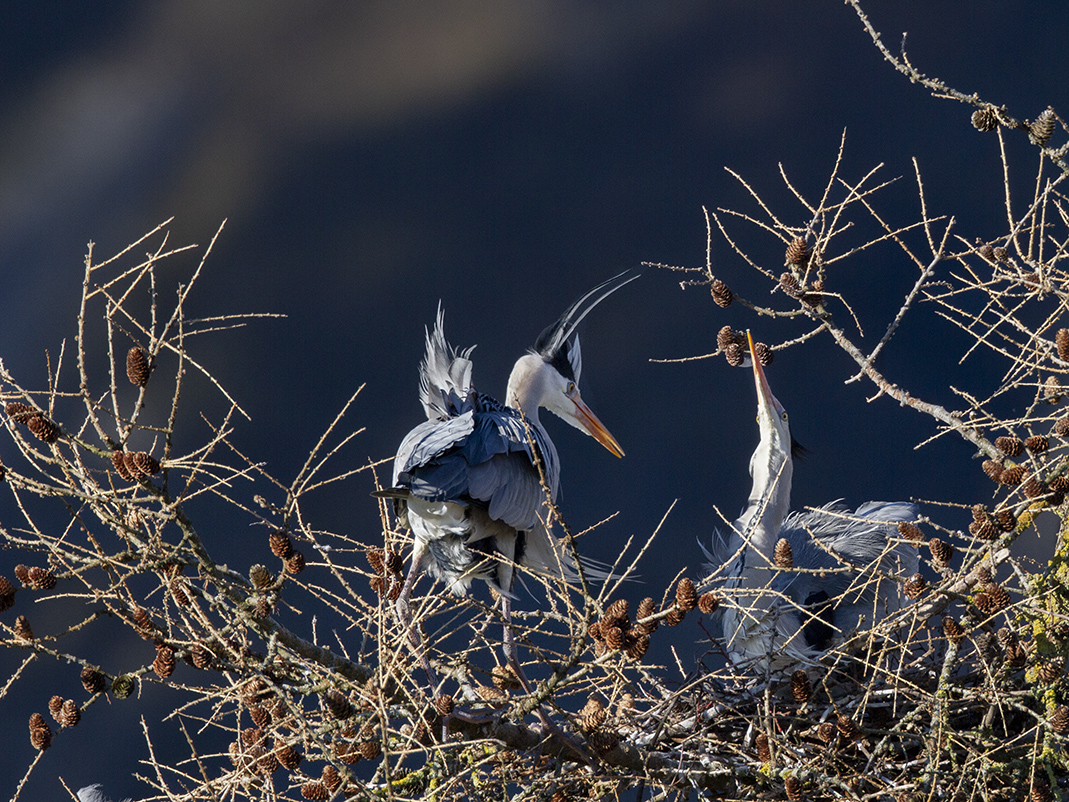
{"x": 374, "y": 159}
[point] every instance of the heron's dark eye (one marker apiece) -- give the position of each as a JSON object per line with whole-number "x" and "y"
{"x": 571, "y": 388}
{"x": 783, "y": 416}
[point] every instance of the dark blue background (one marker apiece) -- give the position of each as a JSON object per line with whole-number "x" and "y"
{"x": 374, "y": 159}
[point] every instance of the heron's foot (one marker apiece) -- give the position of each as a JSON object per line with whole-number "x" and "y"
{"x": 564, "y": 745}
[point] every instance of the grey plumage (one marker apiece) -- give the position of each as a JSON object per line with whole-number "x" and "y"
{"x": 92, "y": 793}
{"x": 466, "y": 479}
{"x": 844, "y": 566}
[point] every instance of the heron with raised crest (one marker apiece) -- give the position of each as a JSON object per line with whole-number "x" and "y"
{"x": 468, "y": 482}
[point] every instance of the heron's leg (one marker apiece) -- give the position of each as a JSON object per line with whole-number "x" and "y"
{"x": 403, "y": 608}
{"x": 513, "y": 658}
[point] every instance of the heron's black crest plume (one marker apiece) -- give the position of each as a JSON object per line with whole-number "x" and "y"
{"x": 798, "y": 451}
{"x": 555, "y": 345}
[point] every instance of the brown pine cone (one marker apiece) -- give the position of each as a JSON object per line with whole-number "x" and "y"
{"x": 22, "y": 628}
{"x": 504, "y": 678}
{"x": 792, "y": 786}
{"x": 722, "y": 294}
{"x": 137, "y": 367}
{"x": 7, "y": 594}
{"x": 338, "y": 705}
{"x": 1059, "y": 719}
{"x": 1010, "y": 446}
{"x": 376, "y": 559}
{"x": 164, "y": 663}
{"x": 1006, "y": 520}
{"x": 763, "y": 354}
{"x": 331, "y": 778}
{"x": 826, "y": 731}
{"x": 993, "y": 468}
{"x": 910, "y": 531}
{"x": 953, "y": 631}
{"x": 914, "y": 586}
{"x": 495, "y": 697}
{"x": 280, "y": 543}
{"x": 295, "y": 563}
{"x": 984, "y": 120}
{"x": 646, "y": 608}
{"x": 69, "y": 714}
{"x": 592, "y": 716}
{"x": 789, "y": 284}
{"x": 260, "y": 716}
{"x": 19, "y": 412}
{"x": 1040, "y": 129}
{"x": 287, "y": 756}
{"x": 636, "y": 644}
{"x": 444, "y": 704}
{"x": 141, "y": 463}
{"x": 370, "y": 749}
{"x": 43, "y": 428}
{"x": 118, "y": 459}
{"x": 726, "y": 337}
{"x": 614, "y": 637}
{"x": 764, "y": 749}
{"x": 734, "y": 355}
{"x": 602, "y": 741}
{"x": 1050, "y": 670}
{"x": 984, "y": 530}
{"x": 801, "y": 687}
{"x": 1012, "y": 476}
{"x": 942, "y": 554}
{"x": 686, "y": 596}
{"x": 260, "y": 576}
{"x": 315, "y": 791}
{"x": 797, "y": 252}
{"x": 92, "y": 680}
{"x": 675, "y": 616}
{"x": 1037, "y": 444}
{"x": 616, "y": 614}
{"x": 708, "y": 602}
{"x": 40, "y": 732}
{"x": 783, "y": 554}
{"x": 41, "y": 578}
{"x": 394, "y": 563}
{"x": 848, "y": 728}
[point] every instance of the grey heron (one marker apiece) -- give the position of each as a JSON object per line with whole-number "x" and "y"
{"x": 92, "y": 793}
{"x": 841, "y": 563}
{"x": 466, "y": 480}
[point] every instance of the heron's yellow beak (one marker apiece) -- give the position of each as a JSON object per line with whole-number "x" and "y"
{"x": 589, "y": 421}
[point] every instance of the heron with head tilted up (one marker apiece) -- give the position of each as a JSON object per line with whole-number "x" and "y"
{"x": 468, "y": 481}
{"x": 843, "y": 566}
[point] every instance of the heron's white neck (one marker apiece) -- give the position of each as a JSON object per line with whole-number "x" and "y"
{"x": 772, "y": 470}
{"x": 527, "y": 386}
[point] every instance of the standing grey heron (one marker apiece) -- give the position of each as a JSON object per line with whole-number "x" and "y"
{"x": 466, "y": 481}
{"x": 842, "y": 563}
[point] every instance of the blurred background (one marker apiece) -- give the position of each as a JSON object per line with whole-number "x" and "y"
{"x": 374, "y": 159}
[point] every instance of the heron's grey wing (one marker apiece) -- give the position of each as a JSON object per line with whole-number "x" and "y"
{"x": 428, "y": 442}
{"x": 482, "y": 455}
{"x": 502, "y": 471}
{"x": 832, "y": 537}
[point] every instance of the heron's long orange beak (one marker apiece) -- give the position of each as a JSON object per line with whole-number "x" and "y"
{"x": 764, "y": 392}
{"x": 594, "y": 426}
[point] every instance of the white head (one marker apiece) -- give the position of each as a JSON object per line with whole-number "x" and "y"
{"x": 537, "y": 383}
{"x": 548, "y": 377}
